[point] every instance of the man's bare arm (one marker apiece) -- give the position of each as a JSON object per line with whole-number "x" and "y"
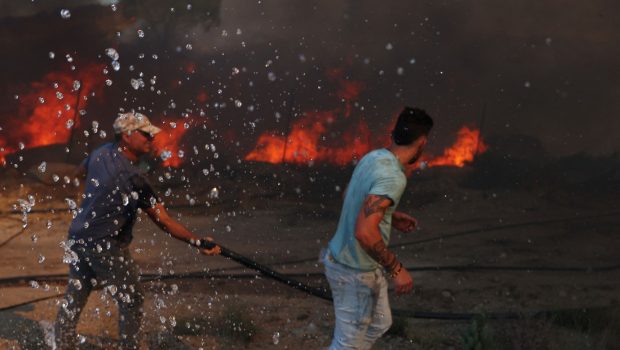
{"x": 368, "y": 235}
{"x": 160, "y": 216}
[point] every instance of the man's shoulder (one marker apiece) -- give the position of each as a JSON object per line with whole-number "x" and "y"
{"x": 381, "y": 159}
{"x": 107, "y": 149}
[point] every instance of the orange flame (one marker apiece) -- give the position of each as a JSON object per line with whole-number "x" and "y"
{"x": 468, "y": 144}
{"x": 306, "y": 141}
{"x": 47, "y": 114}
{"x": 303, "y": 146}
{"x": 169, "y": 140}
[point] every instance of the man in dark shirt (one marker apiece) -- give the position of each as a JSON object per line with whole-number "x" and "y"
{"x": 101, "y": 230}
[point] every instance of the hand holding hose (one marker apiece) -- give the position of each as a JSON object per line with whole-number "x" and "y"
{"x": 209, "y": 247}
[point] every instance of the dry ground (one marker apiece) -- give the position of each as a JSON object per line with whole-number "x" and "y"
{"x": 285, "y": 226}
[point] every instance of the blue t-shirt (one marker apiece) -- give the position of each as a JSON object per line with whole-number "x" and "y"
{"x": 379, "y": 173}
{"x": 114, "y": 190}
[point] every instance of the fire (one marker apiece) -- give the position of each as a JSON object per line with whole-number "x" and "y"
{"x": 468, "y": 144}
{"x": 48, "y": 113}
{"x": 167, "y": 142}
{"x": 303, "y": 144}
{"x": 307, "y": 140}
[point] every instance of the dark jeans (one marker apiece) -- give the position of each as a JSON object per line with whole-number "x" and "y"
{"x": 108, "y": 264}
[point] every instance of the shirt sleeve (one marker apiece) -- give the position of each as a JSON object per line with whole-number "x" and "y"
{"x": 390, "y": 184}
{"x": 147, "y": 197}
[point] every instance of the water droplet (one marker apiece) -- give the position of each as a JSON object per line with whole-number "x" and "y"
{"x": 69, "y": 124}
{"x": 238, "y": 103}
{"x": 527, "y": 84}
{"x": 271, "y": 76}
{"x": 21, "y": 145}
{"x": 188, "y": 47}
{"x": 165, "y": 155}
{"x": 77, "y": 283}
{"x": 181, "y": 154}
{"x": 116, "y": 66}
{"x": 42, "y": 167}
{"x": 214, "y": 193}
{"x": 108, "y": 82}
{"x": 41, "y": 259}
{"x": 65, "y": 14}
{"x": 228, "y": 228}
{"x": 59, "y": 95}
{"x": 113, "y": 6}
{"x": 140, "y": 33}
{"x": 389, "y": 46}
{"x": 235, "y": 71}
{"x": 112, "y": 53}
{"x": 137, "y": 83}
{"x": 400, "y": 70}
{"x": 76, "y": 85}
{"x": 34, "y": 284}
{"x": 71, "y": 203}
{"x": 125, "y": 199}
{"x": 173, "y": 125}
{"x": 275, "y": 338}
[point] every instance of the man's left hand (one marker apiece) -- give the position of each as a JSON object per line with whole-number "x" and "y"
{"x": 403, "y": 222}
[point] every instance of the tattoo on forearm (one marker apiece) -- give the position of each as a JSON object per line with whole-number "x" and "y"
{"x": 383, "y": 256}
{"x": 375, "y": 204}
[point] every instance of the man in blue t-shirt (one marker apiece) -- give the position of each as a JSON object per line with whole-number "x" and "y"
{"x": 357, "y": 259}
{"x": 100, "y": 232}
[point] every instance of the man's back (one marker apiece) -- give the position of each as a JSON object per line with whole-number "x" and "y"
{"x": 380, "y": 173}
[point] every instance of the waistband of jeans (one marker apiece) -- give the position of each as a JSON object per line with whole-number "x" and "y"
{"x": 329, "y": 257}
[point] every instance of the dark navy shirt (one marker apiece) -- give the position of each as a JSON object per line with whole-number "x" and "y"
{"x": 115, "y": 189}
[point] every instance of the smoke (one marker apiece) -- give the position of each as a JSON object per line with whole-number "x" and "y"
{"x": 542, "y": 69}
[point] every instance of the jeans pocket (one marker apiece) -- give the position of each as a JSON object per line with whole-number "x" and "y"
{"x": 364, "y": 303}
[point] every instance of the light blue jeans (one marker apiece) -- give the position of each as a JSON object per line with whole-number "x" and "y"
{"x": 361, "y": 305}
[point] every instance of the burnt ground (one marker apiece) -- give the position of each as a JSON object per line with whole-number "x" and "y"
{"x": 519, "y": 246}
